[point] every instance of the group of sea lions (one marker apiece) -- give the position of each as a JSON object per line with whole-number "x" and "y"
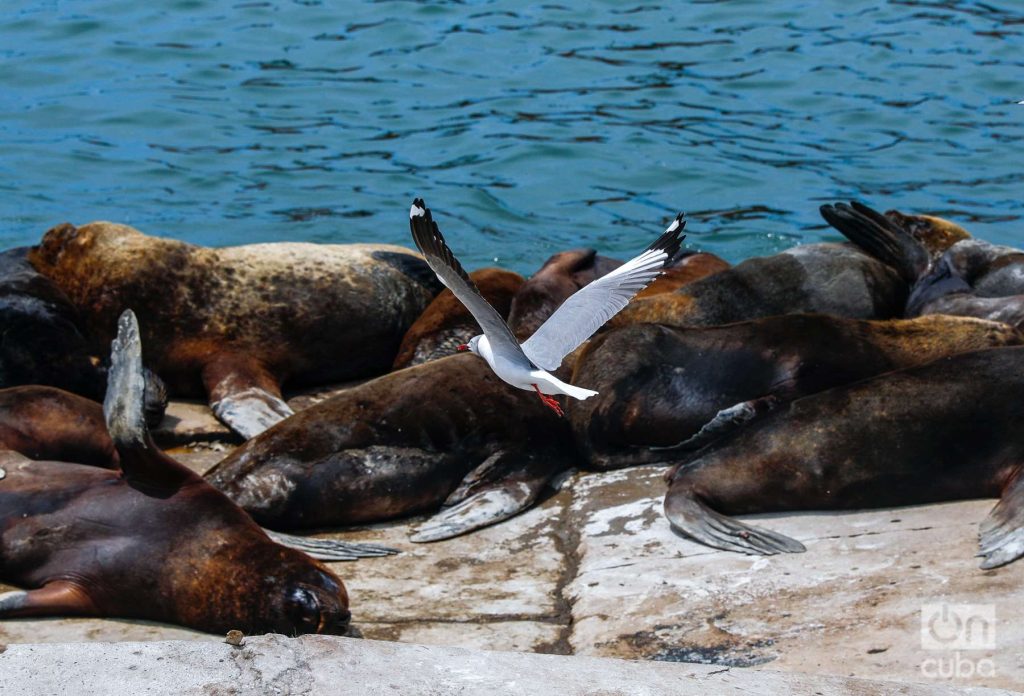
{"x": 878, "y": 373}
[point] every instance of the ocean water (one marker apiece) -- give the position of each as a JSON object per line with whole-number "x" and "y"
{"x": 528, "y": 127}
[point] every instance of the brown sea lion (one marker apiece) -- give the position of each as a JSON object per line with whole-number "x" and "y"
{"x": 153, "y": 541}
{"x": 446, "y": 323}
{"x": 949, "y": 430}
{"x": 689, "y": 267}
{"x": 399, "y": 445}
{"x": 835, "y": 279}
{"x": 241, "y": 321}
{"x": 663, "y": 386}
{"x": 962, "y": 276}
{"x": 41, "y": 341}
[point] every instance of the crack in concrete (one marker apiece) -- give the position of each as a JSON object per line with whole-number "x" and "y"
{"x": 567, "y": 542}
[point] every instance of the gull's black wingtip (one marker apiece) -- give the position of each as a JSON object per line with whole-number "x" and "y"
{"x": 671, "y": 239}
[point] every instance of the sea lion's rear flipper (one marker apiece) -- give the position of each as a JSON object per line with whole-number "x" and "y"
{"x": 695, "y": 520}
{"x": 244, "y": 395}
{"x": 880, "y": 237}
{"x": 57, "y": 598}
{"x": 504, "y": 485}
{"x": 331, "y": 550}
{"x": 1002, "y": 532}
{"x": 726, "y": 421}
{"x": 124, "y": 409}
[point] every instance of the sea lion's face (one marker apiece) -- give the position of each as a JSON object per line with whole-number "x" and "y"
{"x": 935, "y": 233}
{"x": 314, "y": 602}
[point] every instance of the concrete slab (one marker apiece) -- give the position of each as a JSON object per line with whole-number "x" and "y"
{"x": 324, "y": 665}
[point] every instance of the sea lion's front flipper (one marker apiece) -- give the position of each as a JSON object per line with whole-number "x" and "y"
{"x": 124, "y": 409}
{"x": 57, "y": 598}
{"x": 331, "y": 550}
{"x": 725, "y": 421}
{"x": 504, "y": 485}
{"x": 695, "y": 520}
{"x": 244, "y": 395}
{"x": 1002, "y": 532}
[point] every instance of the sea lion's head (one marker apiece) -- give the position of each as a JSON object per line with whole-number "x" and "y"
{"x": 309, "y": 599}
{"x": 934, "y": 233}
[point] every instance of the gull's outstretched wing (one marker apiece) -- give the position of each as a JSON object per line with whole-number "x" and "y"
{"x": 590, "y": 307}
{"x": 448, "y": 269}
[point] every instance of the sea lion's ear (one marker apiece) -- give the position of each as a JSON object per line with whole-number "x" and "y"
{"x": 141, "y": 460}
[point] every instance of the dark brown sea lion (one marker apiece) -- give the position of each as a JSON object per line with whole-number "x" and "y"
{"x": 399, "y": 445}
{"x": 949, "y": 430}
{"x": 153, "y": 541}
{"x": 446, "y": 323}
{"x": 690, "y": 267}
{"x": 962, "y": 276}
{"x": 835, "y": 279}
{"x": 41, "y": 341}
{"x": 241, "y": 321}
{"x": 663, "y": 387}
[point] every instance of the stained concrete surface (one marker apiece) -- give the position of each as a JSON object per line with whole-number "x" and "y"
{"x": 596, "y": 571}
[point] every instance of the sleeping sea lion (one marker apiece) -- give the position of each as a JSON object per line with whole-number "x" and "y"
{"x": 835, "y": 279}
{"x": 153, "y": 541}
{"x": 240, "y": 321}
{"x": 446, "y": 323}
{"x": 663, "y": 386}
{"x": 967, "y": 277}
{"x": 41, "y": 341}
{"x": 445, "y": 432}
{"x": 948, "y": 430}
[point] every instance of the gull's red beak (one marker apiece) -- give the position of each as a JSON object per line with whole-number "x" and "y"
{"x": 463, "y": 348}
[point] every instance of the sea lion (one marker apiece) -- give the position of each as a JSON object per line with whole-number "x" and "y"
{"x": 662, "y": 387}
{"x": 446, "y": 323}
{"x": 153, "y": 541}
{"x": 42, "y": 343}
{"x": 689, "y": 267}
{"x": 241, "y": 321}
{"x": 827, "y": 278}
{"x": 960, "y": 275}
{"x": 399, "y": 445}
{"x": 948, "y": 430}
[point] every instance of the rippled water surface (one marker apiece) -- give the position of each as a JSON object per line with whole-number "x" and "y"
{"x": 528, "y": 128}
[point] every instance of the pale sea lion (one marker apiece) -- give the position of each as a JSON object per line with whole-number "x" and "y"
{"x": 664, "y": 387}
{"x": 962, "y": 276}
{"x": 241, "y": 321}
{"x": 835, "y": 279}
{"x": 153, "y": 541}
{"x": 447, "y": 432}
{"x": 948, "y": 430}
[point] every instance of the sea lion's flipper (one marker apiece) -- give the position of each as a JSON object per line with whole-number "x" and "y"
{"x": 1002, "y": 532}
{"x": 57, "y": 598}
{"x": 695, "y": 520}
{"x": 244, "y": 395}
{"x": 942, "y": 280}
{"x": 500, "y": 488}
{"x": 880, "y": 237}
{"x": 726, "y": 421}
{"x": 124, "y": 409}
{"x": 331, "y": 549}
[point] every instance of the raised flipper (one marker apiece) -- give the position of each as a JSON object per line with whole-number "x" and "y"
{"x": 693, "y": 519}
{"x": 1002, "y": 532}
{"x": 880, "y": 237}
{"x": 502, "y": 486}
{"x": 725, "y": 421}
{"x": 244, "y": 395}
{"x": 331, "y": 549}
{"x": 57, "y": 598}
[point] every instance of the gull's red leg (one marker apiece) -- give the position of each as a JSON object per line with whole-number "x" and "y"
{"x": 549, "y": 401}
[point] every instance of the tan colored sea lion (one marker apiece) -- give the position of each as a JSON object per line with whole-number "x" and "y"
{"x": 241, "y": 321}
{"x": 152, "y": 541}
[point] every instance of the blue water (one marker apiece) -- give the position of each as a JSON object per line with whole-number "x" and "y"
{"x": 528, "y": 128}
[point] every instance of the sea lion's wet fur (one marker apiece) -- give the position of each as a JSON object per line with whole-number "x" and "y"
{"x": 446, "y": 323}
{"x": 835, "y": 279}
{"x": 49, "y": 423}
{"x": 305, "y": 313}
{"x": 948, "y": 430}
{"x": 394, "y": 446}
{"x": 659, "y": 385}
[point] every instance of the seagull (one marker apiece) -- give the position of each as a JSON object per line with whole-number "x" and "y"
{"x": 526, "y": 366}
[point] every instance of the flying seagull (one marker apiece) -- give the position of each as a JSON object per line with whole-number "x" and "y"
{"x": 526, "y": 366}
